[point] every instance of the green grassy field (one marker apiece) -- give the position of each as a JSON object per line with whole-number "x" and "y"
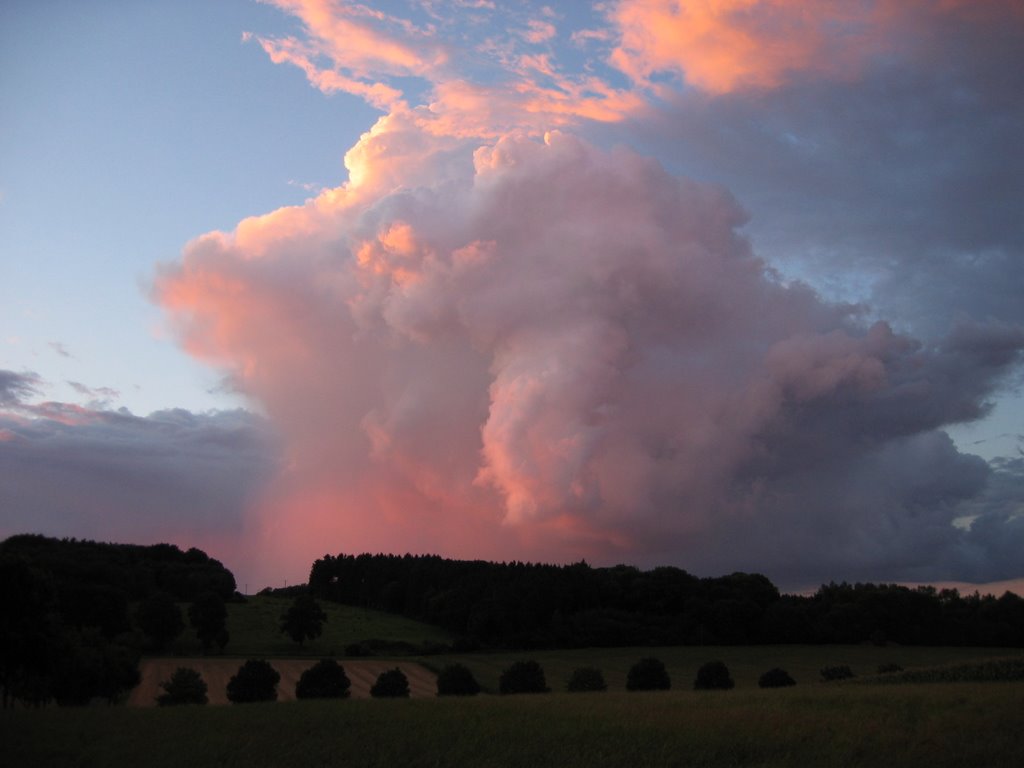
{"x": 932, "y": 726}
{"x": 253, "y": 627}
{"x": 746, "y": 663}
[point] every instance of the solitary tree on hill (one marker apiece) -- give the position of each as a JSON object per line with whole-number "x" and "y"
{"x": 208, "y": 616}
{"x": 303, "y": 620}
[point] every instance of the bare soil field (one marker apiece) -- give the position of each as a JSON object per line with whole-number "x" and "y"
{"x": 217, "y": 671}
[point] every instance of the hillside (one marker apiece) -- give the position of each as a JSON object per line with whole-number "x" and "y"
{"x": 254, "y": 631}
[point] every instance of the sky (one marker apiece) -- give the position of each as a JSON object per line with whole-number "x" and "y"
{"x": 731, "y": 285}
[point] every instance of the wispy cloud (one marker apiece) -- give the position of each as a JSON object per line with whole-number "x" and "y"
{"x": 60, "y": 349}
{"x": 16, "y": 388}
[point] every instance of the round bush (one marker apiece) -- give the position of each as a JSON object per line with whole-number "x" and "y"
{"x": 456, "y": 680}
{"x": 392, "y": 684}
{"x": 324, "y": 680}
{"x": 648, "y": 675}
{"x": 839, "y": 672}
{"x": 186, "y": 686}
{"x": 523, "y": 677}
{"x": 255, "y": 681}
{"x": 776, "y": 678}
{"x": 713, "y": 676}
{"x": 586, "y": 679}
{"x": 888, "y": 669}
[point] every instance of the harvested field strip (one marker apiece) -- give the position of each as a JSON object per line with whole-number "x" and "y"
{"x": 217, "y": 671}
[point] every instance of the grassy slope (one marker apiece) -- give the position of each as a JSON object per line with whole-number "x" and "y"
{"x": 253, "y": 627}
{"x": 746, "y": 663}
{"x": 934, "y": 726}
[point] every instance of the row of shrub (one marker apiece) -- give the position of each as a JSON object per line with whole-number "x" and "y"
{"x": 843, "y": 671}
{"x": 650, "y": 674}
{"x": 256, "y": 680}
{"x": 992, "y": 670}
{"x": 647, "y": 674}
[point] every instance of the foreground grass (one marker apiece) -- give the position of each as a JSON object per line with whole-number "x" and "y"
{"x": 254, "y": 629}
{"x": 934, "y": 726}
{"x": 745, "y": 663}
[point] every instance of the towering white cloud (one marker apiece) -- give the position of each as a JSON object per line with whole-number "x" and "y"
{"x": 566, "y": 350}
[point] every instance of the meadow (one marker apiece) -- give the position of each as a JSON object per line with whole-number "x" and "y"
{"x": 931, "y": 726}
{"x": 254, "y": 629}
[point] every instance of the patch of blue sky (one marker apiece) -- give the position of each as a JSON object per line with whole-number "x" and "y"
{"x": 129, "y": 130}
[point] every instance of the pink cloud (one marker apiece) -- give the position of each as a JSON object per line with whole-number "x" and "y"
{"x": 539, "y": 31}
{"x": 361, "y": 40}
{"x": 353, "y": 49}
{"x": 496, "y": 340}
{"x": 540, "y": 349}
{"x": 726, "y": 45}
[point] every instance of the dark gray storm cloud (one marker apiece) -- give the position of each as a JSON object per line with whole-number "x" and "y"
{"x": 16, "y": 387}
{"x": 66, "y": 470}
{"x": 902, "y": 185}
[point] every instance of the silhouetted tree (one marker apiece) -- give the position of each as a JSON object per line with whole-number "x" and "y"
{"x": 523, "y": 677}
{"x": 303, "y": 619}
{"x": 324, "y": 680}
{"x": 29, "y": 632}
{"x": 104, "y": 607}
{"x": 89, "y": 666}
{"x": 713, "y": 675}
{"x": 255, "y": 681}
{"x": 586, "y": 679}
{"x": 837, "y": 672}
{"x": 159, "y": 617}
{"x": 391, "y": 684}
{"x": 456, "y": 680}
{"x": 648, "y": 675}
{"x": 208, "y": 616}
{"x": 527, "y": 605}
{"x": 775, "y": 678}
{"x": 186, "y": 686}
{"x": 130, "y": 568}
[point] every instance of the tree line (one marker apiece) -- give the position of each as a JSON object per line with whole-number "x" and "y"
{"x": 132, "y": 569}
{"x": 527, "y": 605}
{"x": 75, "y": 616}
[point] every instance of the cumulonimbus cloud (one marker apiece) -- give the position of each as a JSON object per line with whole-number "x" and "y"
{"x": 543, "y": 349}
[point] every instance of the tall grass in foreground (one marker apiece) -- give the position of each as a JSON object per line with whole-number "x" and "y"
{"x": 930, "y": 726}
